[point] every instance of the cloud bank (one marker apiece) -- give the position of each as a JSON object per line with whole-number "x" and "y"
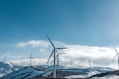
{"x": 74, "y": 55}
{"x": 33, "y": 43}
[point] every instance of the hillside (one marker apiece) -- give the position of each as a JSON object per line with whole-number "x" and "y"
{"x": 7, "y": 67}
{"x": 24, "y": 73}
{"x": 107, "y": 75}
{"x": 45, "y": 71}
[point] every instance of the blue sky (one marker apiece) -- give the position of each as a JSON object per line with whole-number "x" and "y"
{"x": 83, "y": 22}
{"x": 77, "y": 22}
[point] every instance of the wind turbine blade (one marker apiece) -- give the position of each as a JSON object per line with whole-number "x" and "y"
{"x": 114, "y": 57}
{"x": 61, "y": 48}
{"x": 50, "y": 41}
{"x": 50, "y": 55}
{"x": 115, "y": 49}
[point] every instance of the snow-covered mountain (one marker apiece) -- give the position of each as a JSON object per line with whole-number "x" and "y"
{"x": 98, "y": 73}
{"x": 107, "y": 75}
{"x": 7, "y": 67}
{"x": 84, "y": 72}
{"x": 81, "y": 72}
{"x": 42, "y": 71}
{"x": 24, "y": 73}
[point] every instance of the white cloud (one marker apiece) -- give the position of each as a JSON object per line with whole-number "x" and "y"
{"x": 33, "y": 43}
{"x": 78, "y": 55}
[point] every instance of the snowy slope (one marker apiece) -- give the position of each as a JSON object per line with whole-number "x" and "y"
{"x": 107, "y": 77}
{"x": 7, "y": 67}
{"x": 57, "y": 67}
{"x": 24, "y": 73}
{"x": 46, "y": 71}
{"x": 81, "y": 72}
{"x": 98, "y": 73}
{"x": 87, "y": 72}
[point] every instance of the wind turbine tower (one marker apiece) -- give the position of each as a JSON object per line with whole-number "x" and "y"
{"x": 5, "y": 57}
{"x": 31, "y": 57}
{"x": 89, "y": 62}
{"x": 117, "y": 55}
{"x": 54, "y": 56}
{"x": 58, "y": 57}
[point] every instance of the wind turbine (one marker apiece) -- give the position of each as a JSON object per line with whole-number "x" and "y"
{"x": 117, "y": 55}
{"x": 58, "y": 57}
{"x": 5, "y": 57}
{"x": 89, "y": 62}
{"x": 31, "y": 57}
{"x": 54, "y": 56}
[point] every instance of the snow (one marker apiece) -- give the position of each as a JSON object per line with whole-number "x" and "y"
{"x": 25, "y": 73}
{"x": 107, "y": 77}
{"x": 7, "y": 67}
{"x": 76, "y": 76}
{"x": 84, "y": 76}
{"x": 57, "y": 67}
{"x": 47, "y": 73}
{"x": 13, "y": 72}
{"x": 87, "y": 72}
{"x": 34, "y": 74}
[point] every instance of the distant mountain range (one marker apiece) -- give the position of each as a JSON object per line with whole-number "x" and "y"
{"x": 11, "y": 71}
